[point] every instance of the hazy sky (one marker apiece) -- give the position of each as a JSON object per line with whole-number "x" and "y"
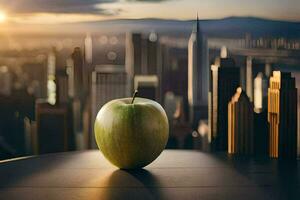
{"x": 58, "y": 11}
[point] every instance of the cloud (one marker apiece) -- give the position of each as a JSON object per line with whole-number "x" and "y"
{"x": 55, "y": 6}
{"x": 61, "y": 6}
{"x": 148, "y": 0}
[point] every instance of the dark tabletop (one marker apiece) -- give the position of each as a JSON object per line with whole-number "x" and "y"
{"x": 175, "y": 174}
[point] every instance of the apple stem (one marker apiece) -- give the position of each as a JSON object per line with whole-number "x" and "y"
{"x": 134, "y": 95}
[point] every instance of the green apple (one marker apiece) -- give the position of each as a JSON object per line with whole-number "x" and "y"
{"x": 131, "y": 132}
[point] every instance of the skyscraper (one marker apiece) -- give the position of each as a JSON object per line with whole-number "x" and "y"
{"x": 225, "y": 78}
{"x": 108, "y": 82}
{"x": 88, "y": 63}
{"x": 37, "y": 74}
{"x": 77, "y": 58}
{"x": 240, "y": 124}
{"x": 198, "y": 74}
{"x": 70, "y": 74}
{"x": 5, "y": 81}
{"x": 133, "y": 57}
{"x": 260, "y": 115}
{"x": 62, "y": 85}
{"x": 147, "y": 85}
{"x": 282, "y": 116}
{"x": 249, "y": 78}
{"x": 143, "y": 58}
{"x": 54, "y": 128}
{"x": 153, "y": 57}
{"x": 88, "y": 49}
{"x": 51, "y": 72}
{"x": 259, "y": 91}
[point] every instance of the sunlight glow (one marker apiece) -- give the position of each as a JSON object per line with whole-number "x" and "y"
{"x": 49, "y": 18}
{"x": 2, "y": 16}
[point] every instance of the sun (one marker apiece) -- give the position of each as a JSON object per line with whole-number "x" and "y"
{"x": 2, "y": 16}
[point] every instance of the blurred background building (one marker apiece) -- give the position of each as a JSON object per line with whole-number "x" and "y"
{"x": 282, "y": 116}
{"x": 240, "y": 124}
{"x": 198, "y": 74}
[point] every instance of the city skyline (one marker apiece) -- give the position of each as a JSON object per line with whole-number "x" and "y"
{"x": 72, "y": 11}
{"x": 93, "y": 91}
{"x": 191, "y": 67}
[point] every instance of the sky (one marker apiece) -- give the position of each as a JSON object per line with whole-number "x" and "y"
{"x": 68, "y": 11}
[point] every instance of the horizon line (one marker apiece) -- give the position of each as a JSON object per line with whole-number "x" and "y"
{"x": 164, "y": 19}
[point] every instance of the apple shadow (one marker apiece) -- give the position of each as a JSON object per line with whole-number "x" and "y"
{"x": 133, "y": 184}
